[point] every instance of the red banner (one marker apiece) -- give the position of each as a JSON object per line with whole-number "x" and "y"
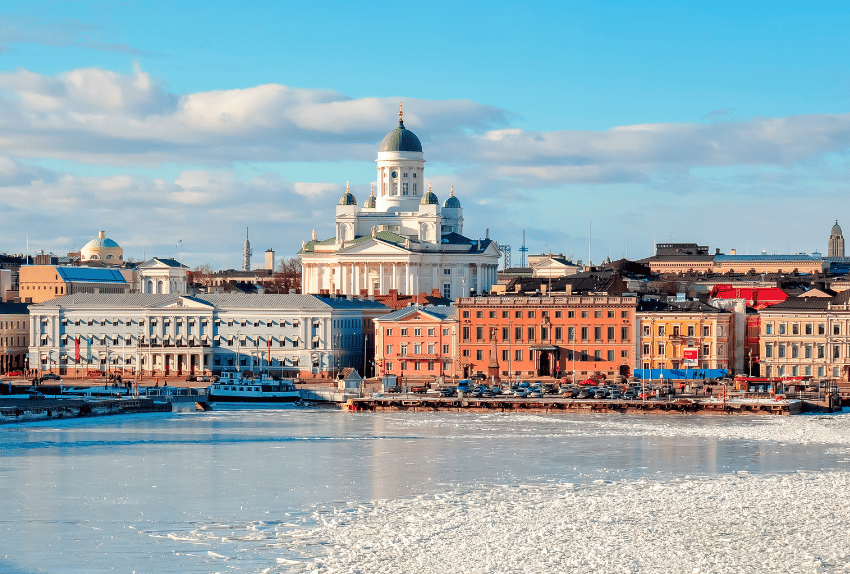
{"x": 691, "y": 355}
{"x": 270, "y": 351}
{"x": 77, "y": 349}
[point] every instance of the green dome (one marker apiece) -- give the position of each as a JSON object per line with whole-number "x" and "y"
{"x": 347, "y": 199}
{"x": 369, "y": 203}
{"x": 430, "y": 198}
{"x": 452, "y": 201}
{"x": 401, "y": 139}
{"x": 836, "y": 229}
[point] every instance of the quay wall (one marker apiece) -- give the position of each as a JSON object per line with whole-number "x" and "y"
{"x": 63, "y": 409}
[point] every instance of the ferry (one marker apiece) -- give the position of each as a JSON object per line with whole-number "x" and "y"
{"x": 233, "y": 387}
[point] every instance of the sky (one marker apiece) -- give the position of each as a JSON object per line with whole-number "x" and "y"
{"x": 597, "y": 128}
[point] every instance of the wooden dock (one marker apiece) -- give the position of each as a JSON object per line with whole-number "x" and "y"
{"x": 561, "y": 405}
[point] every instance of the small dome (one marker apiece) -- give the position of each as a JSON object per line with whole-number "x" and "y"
{"x": 102, "y": 248}
{"x": 451, "y": 200}
{"x": 836, "y": 229}
{"x": 347, "y": 199}
{"x": 430, "y": 198}
{"x": 369, "y": 203}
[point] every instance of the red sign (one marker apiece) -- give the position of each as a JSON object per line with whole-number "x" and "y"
{"x": 691, "y": 356}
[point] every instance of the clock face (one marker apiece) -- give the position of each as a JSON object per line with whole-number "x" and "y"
{"x": 395, "y": 174}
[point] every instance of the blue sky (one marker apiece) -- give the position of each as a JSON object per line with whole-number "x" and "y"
{"x": 723, "y": 124}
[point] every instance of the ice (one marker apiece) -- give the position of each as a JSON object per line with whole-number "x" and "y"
{"x": 722, "y": 524}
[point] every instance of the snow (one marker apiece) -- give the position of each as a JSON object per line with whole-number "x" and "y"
{"x": 734, "y": 523}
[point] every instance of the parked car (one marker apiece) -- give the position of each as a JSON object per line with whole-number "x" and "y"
{"x": 419, "y": 389}
{"x": 521, "y": 392}
{"x": 447, "y": 391}
{"x": 14, "y": 374}
{"x": 51, "y": 377}
{"x": 535, "y": 394}
{"x": 585, "y": 393}
{"x": 616, "y": 394}
{"x": 479, "y": 377}
{"x": 393, "y": 389}
{"x": 495, "y": 390}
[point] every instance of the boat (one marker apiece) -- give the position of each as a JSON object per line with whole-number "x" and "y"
{"x": 235, "y": 387}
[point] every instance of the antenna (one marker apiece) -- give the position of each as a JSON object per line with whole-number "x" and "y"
{"x": 506, "y": 253}
{"x": 523, "y": 250}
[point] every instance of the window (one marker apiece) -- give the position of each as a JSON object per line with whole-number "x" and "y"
{"x": 466, "y": 333}
{"x": 445, "y": 349}
{"x": 479, "y": 333}
{"x": 517, "y": 314}
{"x": 492, "y": 314}
{"x": 624, "y": 314}
{"x": 389, "y": 349}
{"x": 661, "y": 330}
{"x": 558, "y": 314}
{"x": 611, "y": 356}
{"x": 690, "y": 330}
{"x": 531, "y": 333}
{"x": 584, "y": 314}
{"x": 624, "y": 354}
{"x": 597, "y": 314}
{"x": 518, "y": 333}
{"x": 417, "y": 332}
{"x": 431, "y": 332}
{"x": 504, "y": 354}
{"x": 610, "y": 333}
{"x": 404, "y": 332}
{"x": 821, "y": 330}
{"x": 781, "y": 328}
{"x": 479, "y": 355}
{"x": 558, "y": 331}
{"x": 389, "y": 332}
{"x": 479, "y": 314}
{"x": 417, "y": 348}
{"x": 597, "y": 333}
{"x": 447, "y": 271}
{"x": 768, "y": 351}
{"x": 531, "y": 315}
{"x": 504, "y": 314}
{"x": 624, "y": 333}
{"x": 808, "y": 330}
{"x": 404, "y": 350}
{"x": 795, "y": 352}
{"x": 584, "y": 333}
{"x": 706, "y": 331}
{"x": 795, "y": 328}
{"x": 646, "y": 330}
{"x": 610, "y": 314}
{"x": 661, "y": 348}
{"x": 544, "y": 333}
{"x": 597, "y": 355}
{"x": 836, "y": 329}
{"x": 445, "y": 332}
{"x": 768, "y": 328}
{"x": 505, "y": 333}
{"x": 675, "y": 330}
{"x": 836, "y": 352}
{"x": 466, "y": 314}
{"x": 706, "y": 350}
{"x": 430, "y": 348}
{"x": 518, "y": 355}
{"x": 808, "y": 352}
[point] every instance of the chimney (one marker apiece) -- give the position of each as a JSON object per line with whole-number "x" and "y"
{"x": 732, "y": 252}
{"x": 270, "y": 259}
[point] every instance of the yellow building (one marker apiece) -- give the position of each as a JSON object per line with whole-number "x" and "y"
{"x": 685, "y": 335}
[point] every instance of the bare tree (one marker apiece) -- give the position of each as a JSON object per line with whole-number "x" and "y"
{"x": 288, "y": 276}
{"x": 201, "y": 274}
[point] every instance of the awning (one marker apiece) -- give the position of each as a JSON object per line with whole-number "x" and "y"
{"x": 543, "y": 348}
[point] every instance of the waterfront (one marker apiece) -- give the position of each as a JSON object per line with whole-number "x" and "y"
{"x": 303, "y": 490}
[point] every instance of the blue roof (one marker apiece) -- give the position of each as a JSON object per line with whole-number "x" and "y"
{"x": 91, "y": 274}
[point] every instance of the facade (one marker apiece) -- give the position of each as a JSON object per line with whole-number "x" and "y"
{"x": 798, "y": 336}
{"x": 679, "y": 258}
{"x": 765, "y": 263}
{"x": 102, "y": 249}
{"x": 39, "y": 283}
{"x": 836, "y": 242}
{"x": 546, "y": 336}
{"x": 163, "y": 276}
{"x": 417, "y": 343}
{"x": 685, "y": 335}
{"x": 14, "y": 337}
{"x": 400, "y": 238}
{"x": 290, "y": 335}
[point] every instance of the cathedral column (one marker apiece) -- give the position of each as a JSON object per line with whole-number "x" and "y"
{"x": 381, "y": 278}
{"x": 416, "y": 269}
{"x": 366, "y": 282}
{"x": 435, "y": 277}
{"x": 355, "y": 279}
{"x": 479, "y": 279}
{"x": 395, "y": 277}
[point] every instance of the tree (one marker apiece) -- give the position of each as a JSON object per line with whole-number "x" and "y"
{"x": 288, "y": 276}
{"x": 200, "y": 274}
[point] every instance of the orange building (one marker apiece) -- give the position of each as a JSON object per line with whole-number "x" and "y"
{"x": 39, "y": 283}
{"x": 417, "y": 343}
{"x": 547, "y": 336}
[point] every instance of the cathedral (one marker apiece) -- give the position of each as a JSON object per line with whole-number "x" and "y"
{"x": 401, "y": 238}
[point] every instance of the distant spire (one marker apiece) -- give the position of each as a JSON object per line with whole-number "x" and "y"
{"x": 246, "y": 254}
{"x": 372, "y": 190}
{"x": 429, "y": 186}
{"x": 400, "y": 114}
{"x": 452, "y": 192}
{"x": 346, "y": 187}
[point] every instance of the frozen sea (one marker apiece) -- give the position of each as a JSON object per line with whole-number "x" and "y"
{"x": 312, "y": 490}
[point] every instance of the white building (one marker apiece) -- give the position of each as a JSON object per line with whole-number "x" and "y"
{"x": 290, "y": 335}
{"x": 400, "y": 239}
{"x": 163, "y": 276}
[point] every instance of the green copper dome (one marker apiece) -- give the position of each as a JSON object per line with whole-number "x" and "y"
{"x": 401, "y": 139}
{"x": 836, "y": 229}
{"x": 369, "y": 203}
{"x": 430, "y": 198}
{"x": 347, "y": 199}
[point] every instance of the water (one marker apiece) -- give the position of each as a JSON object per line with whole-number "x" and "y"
{"x": 295, "y": 490}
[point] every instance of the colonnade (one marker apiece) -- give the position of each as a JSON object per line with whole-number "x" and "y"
{"x": 408, "y": 278}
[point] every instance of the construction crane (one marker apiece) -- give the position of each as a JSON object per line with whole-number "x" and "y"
{"x": 506, "y": 254}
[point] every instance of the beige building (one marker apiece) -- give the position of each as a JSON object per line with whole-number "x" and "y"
{"x": 39, "y": 283}
{"x": 14, "y": 337}
{"x": 685, "y": 335}
{"x": 807, "y": 337}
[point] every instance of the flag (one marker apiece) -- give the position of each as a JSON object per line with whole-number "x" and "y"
{"x": 88, "y": 349}
{"x": 77, "y": 349}
{"x": 270, "y": 351}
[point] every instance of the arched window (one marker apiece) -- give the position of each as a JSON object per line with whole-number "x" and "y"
{"x": 159, "y": 287}
{"x": 94, "y": 256}
{"x": 150, "y": 287}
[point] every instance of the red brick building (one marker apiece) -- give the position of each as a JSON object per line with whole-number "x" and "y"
{"x": 547, "y": 336}
{"x": 417, "y": 343}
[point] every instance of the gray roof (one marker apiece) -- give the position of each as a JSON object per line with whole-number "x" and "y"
{"x": 655, "y": 306}
{"x": 766, "y": 258}
{"x": 220, "y": 301}
{"x": 165, "y": 261}
{"x": 439, "y": 312}
{"x": 801, "y": 303}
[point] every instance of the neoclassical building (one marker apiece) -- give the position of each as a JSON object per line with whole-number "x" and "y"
{"x": 401, "y": 238}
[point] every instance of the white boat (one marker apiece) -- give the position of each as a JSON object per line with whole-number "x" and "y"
{"x": 234, "y": 387}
